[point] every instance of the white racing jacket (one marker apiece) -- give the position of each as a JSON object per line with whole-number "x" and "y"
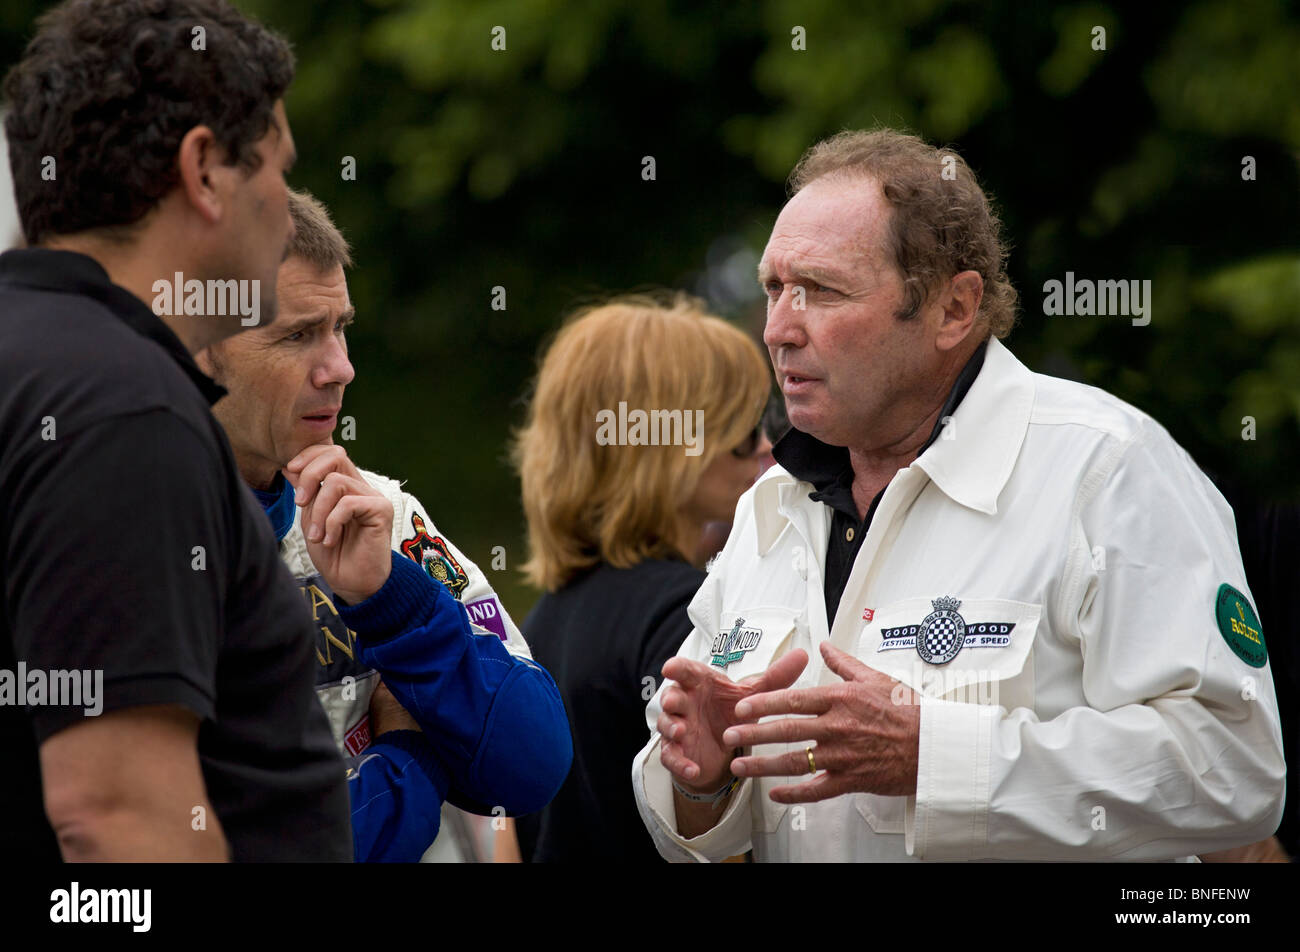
{"x": 1110, "y": 697}
{"x": 344, "y": 684}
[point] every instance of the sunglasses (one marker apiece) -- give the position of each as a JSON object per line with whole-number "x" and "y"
{"x": 749, "y": 445}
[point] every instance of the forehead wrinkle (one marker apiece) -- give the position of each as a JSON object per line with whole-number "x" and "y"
{"x": 807, "y": 260}
{"x": 306, "y": 323}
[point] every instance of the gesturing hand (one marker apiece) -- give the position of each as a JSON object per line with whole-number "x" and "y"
{"x": 348, "y": 524}
{"x": 700, "y": 706}
{"x": 862, "y": 740}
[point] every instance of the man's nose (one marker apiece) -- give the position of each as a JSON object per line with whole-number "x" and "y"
{"x": 335, "y": 369}
{"x": 785, "y": 319}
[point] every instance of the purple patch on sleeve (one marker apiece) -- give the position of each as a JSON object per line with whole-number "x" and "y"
{"x": 488, "y": 613}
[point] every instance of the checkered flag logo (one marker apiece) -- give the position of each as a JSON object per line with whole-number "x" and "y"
{"x": 943, "y": 632}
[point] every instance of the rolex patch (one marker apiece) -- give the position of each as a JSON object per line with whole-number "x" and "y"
{"x": 943, "y": 633}
{"x": 1240, "y": 626}
{"x": 729, "y": 646}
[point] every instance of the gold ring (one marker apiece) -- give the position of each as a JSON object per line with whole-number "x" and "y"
{"x": 812, "y": 764}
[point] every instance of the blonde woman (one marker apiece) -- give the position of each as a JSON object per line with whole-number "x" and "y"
{"x": 643, "y": 428}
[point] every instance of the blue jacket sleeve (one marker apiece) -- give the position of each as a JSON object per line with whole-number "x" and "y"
{"x": 396, "y": 787}
{"x": 496, "y": 722}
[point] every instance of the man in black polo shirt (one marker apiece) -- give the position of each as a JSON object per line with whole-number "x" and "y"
{"x": 156, "y": 666}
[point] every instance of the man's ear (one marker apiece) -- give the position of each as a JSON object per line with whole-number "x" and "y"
{"x": 199, "y": 160}
{"x": 960, "y": 303}
{"x": 208, "y": 362}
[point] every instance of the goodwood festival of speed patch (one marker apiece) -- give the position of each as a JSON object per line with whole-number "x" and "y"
{"x": 942, "y": 634}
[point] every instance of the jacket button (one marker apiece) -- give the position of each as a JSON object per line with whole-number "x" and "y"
{"x": 849, "y": 534}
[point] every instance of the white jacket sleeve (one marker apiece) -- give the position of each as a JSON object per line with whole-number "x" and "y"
{"x": 651, "y": 781}
{"x": 416, "y": 536}
{"x": 1177, "y": 750}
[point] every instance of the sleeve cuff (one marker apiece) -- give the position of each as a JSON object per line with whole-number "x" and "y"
{"x": 416, "y": 745}
{"x": 138, "y": 691}
{"x": 654, "y": 798}
{"x": 408, "y": 593}
{"x": 949, "y": 818}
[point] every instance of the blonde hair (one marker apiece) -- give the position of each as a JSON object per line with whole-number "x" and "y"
{"x": 586, "y": 502}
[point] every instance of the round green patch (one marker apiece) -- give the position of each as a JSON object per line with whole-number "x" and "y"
{"x": 1240, "y": 626}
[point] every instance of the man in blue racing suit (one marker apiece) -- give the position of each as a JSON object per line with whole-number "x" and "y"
{"x": 470, "y": 719}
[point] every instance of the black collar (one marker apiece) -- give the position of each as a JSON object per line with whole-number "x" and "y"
{"x": 829, "y": 468}
{"x": 74, "y": 273}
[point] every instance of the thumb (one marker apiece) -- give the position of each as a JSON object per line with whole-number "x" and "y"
{"x": 686, "y": 672}
{"x": 783, "y": 672}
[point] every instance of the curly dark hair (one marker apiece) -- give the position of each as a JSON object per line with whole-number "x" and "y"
{"x": 109, "y": 88}
{"x": 942, "y": 224}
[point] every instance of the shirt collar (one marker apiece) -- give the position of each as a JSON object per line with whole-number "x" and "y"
{"x": 71, "y": 272}
{"x": 988, "y": 413}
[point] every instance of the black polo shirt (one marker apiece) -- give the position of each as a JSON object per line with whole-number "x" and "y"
{"x": 130, "y": 546}
{"x": 830, "y": 471}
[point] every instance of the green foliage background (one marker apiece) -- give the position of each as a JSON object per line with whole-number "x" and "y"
{"x": 522, "y": 168}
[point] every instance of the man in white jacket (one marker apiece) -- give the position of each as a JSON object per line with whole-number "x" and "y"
{"x": 976, "y": 612}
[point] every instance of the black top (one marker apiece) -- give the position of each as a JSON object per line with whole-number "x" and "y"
{"x": 830, "y": 471}
{"x": 604, "y": 637}
{"x": 130, "y": 545}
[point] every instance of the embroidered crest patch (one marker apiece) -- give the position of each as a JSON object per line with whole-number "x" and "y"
{"x": 943, "y": 633}
{"x": 434, "y": 555}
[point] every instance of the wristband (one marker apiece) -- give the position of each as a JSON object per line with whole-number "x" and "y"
{"x": 710, "y": 798}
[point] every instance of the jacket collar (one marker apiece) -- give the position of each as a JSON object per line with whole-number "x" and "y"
{"x": 988, "y": 431}
{"x": 971, "y": 468}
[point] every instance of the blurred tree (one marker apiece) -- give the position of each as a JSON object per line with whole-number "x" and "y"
{"x": 514, "y": 158}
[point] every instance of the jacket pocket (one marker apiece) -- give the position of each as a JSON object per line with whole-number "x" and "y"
{"x": 883, "y": 814}
{"x": 746, "y": 641}
{"x": 993, "y": 666}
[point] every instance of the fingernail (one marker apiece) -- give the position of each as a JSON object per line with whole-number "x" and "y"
{"x": 297, "y": 495}
{"x": 743, "y": 709}
{"x": 731, "y": 736}
{"x": 313, "y": 534}
{"x": 691, "y": 772}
